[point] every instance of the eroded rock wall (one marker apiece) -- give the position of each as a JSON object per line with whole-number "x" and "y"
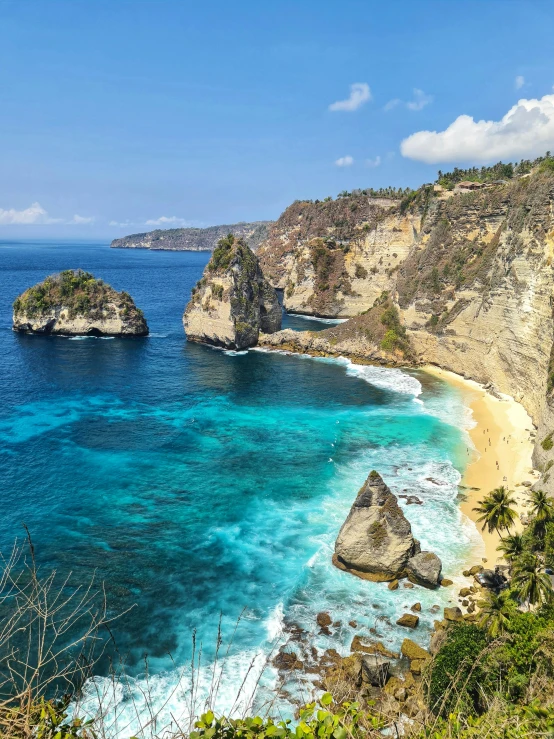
{"x": 472, "y": 282}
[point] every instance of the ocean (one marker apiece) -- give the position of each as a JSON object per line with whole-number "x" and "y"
{"x": 205, "y": 489}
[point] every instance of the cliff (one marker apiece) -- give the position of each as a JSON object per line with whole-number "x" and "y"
{"x": 75, "y": 303}
{"x": 334, "y": 258}
{"x": 233, "y": 302}
{"x": 194, "y": 239}
{"x": 473, "y": 287}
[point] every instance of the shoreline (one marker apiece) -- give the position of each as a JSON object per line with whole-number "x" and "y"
{"x": 501, "y": 434}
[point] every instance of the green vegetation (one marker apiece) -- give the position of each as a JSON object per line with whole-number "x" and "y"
{"x": 496, "y": 510}
{"x": 316, "y": 721}
{"x": 223, "y": 253}
{"x": 79, "y": 292}
{"x": 498, "y": 171}
{"x": 547, "y": 443}
{"x": 217, "y": 292}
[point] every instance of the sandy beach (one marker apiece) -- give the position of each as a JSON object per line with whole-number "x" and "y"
{"x": 502, "y": 438}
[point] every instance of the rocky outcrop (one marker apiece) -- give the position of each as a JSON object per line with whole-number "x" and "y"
{"x": 376, "y": 336}
{"x": 336, "y": 257}
{"x": 232, "y": 303}
{"x": 376, "y": 540}
{"x": 474, "y": 288}
{"x": 194, "y": 239}
{"x": 75, "y": 303}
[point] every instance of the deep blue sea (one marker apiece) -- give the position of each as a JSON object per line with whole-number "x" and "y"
{"x": 197, "y": 483}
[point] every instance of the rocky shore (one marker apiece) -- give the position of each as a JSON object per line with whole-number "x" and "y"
{"x": 394, "y": 680}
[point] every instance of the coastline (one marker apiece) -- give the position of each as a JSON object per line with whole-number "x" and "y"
{"x": 501, "y": 434}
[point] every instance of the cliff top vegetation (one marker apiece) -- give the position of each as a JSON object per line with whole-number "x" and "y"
{"x": 496, "y": 172}
{"x": 77, "y": 291}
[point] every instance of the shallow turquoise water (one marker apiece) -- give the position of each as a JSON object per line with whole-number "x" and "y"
{"x": 200, "y": 484}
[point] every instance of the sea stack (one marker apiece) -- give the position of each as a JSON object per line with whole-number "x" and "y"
{"x": 233, "y": 303}
{"x": 75, "y": 303}
{"x": 376, "y": 541}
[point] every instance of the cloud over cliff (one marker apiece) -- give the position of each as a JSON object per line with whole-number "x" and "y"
{"x": 527, "y": 130}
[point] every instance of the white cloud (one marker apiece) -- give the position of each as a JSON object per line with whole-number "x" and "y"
{"x": 35, "y": 214}
{"x": 527, "y": 130}
{"x": 420, "y": 100}
{"x": 167, "y": 221}
{"x": 392, "y": 104}
{"x": 519, "y": 82}
{"x": 373, "y": 162}
{"x": 81, "y": 220}
{"x": 346, "y": 161}
{"x": 359, "y": 94}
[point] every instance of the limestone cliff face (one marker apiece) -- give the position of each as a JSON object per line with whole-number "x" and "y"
{"x": 74, "y": 303}
{"x": 334, "y": 258}
{"x": 232, "y": 302}
{"x": 474, "y": 291}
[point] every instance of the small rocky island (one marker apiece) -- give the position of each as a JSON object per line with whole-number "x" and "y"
{"x": 233, "y": 303}
{"x": 75, "y": 303}
{"x": 376, "y": 541}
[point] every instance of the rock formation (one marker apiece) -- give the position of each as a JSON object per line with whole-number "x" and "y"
{"x": 472, "y": 284}
{"x": 376, "y": 542}
{"x": 232, "y": 303}
{"x": 335, "y": 258}
{"x": 194, "y": 239}
{"x": 75, "y": 303}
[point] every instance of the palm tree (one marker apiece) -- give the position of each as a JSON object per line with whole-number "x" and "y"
{"x": 541, "y": 506}
{"x": 495, "y": 509}
{"x": 543, "y": 512}
{"x": 511, "y": 546}
{"x": 494, "y": 614}
{"x": 531, "y": 584}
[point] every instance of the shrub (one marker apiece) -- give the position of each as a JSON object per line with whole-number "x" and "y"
{"x": 456, "y": 672}
{"x": 360, "y": 272}
{"x": 547, "y": 443}
{"x": 223, "y": 253}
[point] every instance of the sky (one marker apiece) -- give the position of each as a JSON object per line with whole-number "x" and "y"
{"x": 121, "y": 116}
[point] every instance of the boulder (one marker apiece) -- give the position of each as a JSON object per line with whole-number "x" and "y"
{"x": 233, "y": 303}
{"x": 453, "y": 614}
{"x": 416, "y": 607}
{"x": 409, "y": 620}
{"x": 464, "y": 592}
{"x": 394, "y": 684}
{"x": 445, "y": 582}
{"x": 424, "y": 569}
{"x": 375, "y": 670}
{"x": 393, "y": 585}
{"x": 412, "y": 651}
{"x": 371, "y": 647}
{"x": 287, "y": 661}
{"x": 75, "y": 303}
{"x": 323, "y": 619}
{"x": 416, "y": 666}
{"x": 375, "y": 541}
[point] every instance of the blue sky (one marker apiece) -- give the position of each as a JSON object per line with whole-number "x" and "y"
{"x": 128, "y": 112}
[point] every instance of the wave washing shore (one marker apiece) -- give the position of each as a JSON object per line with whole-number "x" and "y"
{"x": 411, "y": 460}
{"x": 502, "y": 435}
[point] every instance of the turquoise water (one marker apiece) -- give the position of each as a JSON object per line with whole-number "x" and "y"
{"x": 201, "y": 485}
